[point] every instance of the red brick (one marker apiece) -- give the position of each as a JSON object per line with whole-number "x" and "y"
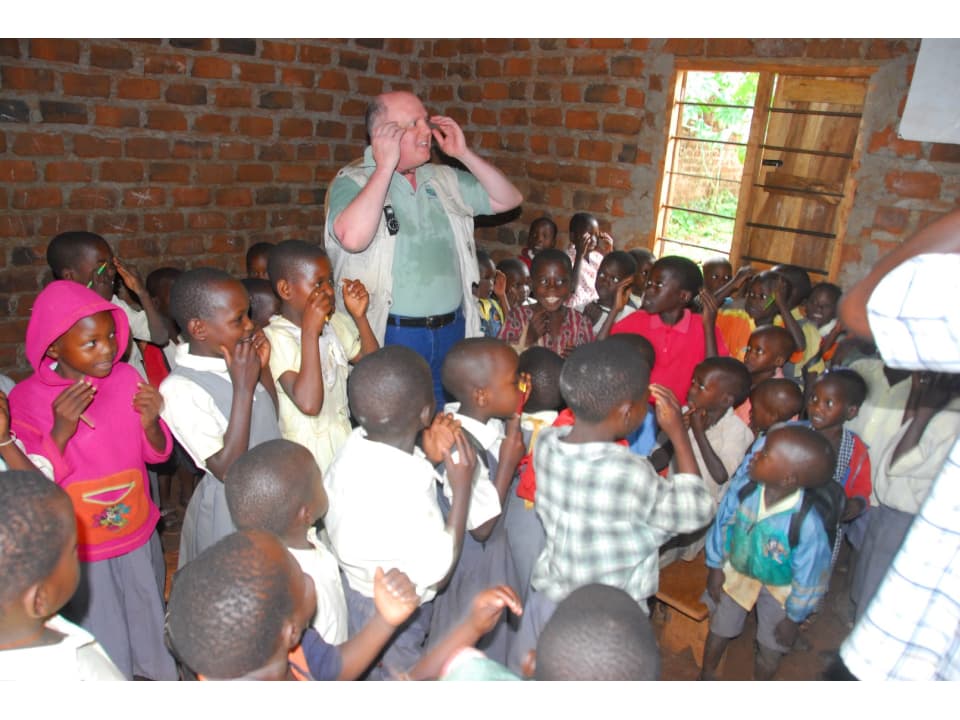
{"x": 552, "y": 66}
{"x": 186, "y": 94}
{"x": 495, "y": 91}
{"x": 729, "y": 47}
{"x": 212, "y": 124}
{"x": 185, "y": 245}
{"x": 540, "y": 144}
{"x": 121, "y": 171}
{"x": 223, "y": 244}
{"x": 602, "y": 93}
{"x": 251, "y": 125}
{"x": 518, "y": 67}
{"x": 333, "y": 80}
{"x": 169, "y": 172}
{"x": 354, "y": 60}
{"x": 215, "y": 174}
{"x": 190, "y": 196}
{"x": 93, "y": 198}
{"x": 257, "y": 73}
{"x": 249, "y": 220}
{"x": 487, "y": 67}
{"x": 590, "y": 65}
{"x": 166, "y": 120}
{"x": 56, "y": 50}
{"x": 886, "y": 49}
{"x": 13, "y": 331}
{"x": 206, "y": 220}
{"x": 940, "y": 152}
{"x": 318, "y": 102}
{"x": 38, "y": 144}
{"x": 139, "y": 247}
{"x": 67, "y": 172}
{"x": 296, "y": 77}
{"x": 10, "y": 47}
{"x": 626, "y": 66}
{"x": 835, "y": 48}
{"x": 913, "y": 184}
{"x": 331, "y": 130}
{"x": 147, "y": 147}
{"x": 613, "y": 178}
{"x": 165, "y": 64}
{"x": 234, "y": 97}
{"x": 596, "y": 150}
{"x": 111, "y": 58}
{"x": 114, "y": 116}
{"x": 295, "y": 173}
{"x": 254, "y": 173}
{"x": 582, "y": 120}
{"x": 295, "y": 127}
{"x": 17, "y": 171}
{"x": 564, "y": 146}
{"x": 547, "y": 117}
{"x": 276, "y": 100}
{"x": 278, "y": 51}
{"x": 388, "y": 66}
{"x": 192, "y": 149}
{"x": 636, "y": 98}
{"x": 684, "y": 46}
{"x": 92, "y": 146}
{"x": 163, "y": 222}
{"x": 234, "y": 150}
{"x": 313, "y": 54}
{"x": 86, "y": 85}
{"x": 234, "y": 197}
{"x": 18, "y": 225}
{"x": 20, "y": 78}
{"x": 144, "y": 197}
{"x": 622, "y": 124}
{"x": 571, "y": 92}
{"x": 212, "y": 67}
{"x": 887, "y": 139}
{"x": 110, "y": 224}
{"x": 891, "y": 220}
{"x": 483, "y": 116}
{"x": 369, "y": 86}
{"x": 138, "y": 88}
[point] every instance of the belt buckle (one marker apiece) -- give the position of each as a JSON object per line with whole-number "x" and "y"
{"x": 434, "y": 321}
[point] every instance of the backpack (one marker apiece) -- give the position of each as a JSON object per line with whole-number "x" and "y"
{"x": 827, "y": 499}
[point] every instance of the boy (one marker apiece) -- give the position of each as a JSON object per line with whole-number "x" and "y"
{"x": 312, "y": 346}
{"x": 86, "y": 258}
{"x": 682, "y": 339}
{"x": 220, "y": 400}
{"x": 615, "y": 269}
{"x": 264, "y": 303}
{"x": 604, "y": 510}
{"x": 277, "y": 487}
{"x": 241, "y": 610}
{"x": 768, "y": 350}
{"x": 820, "y": 308}
{"x": 541, "y": 236}
{"x": 753, "y": 557}
{"x": 490, "y": 293}
{"x": 517, "y": 274}
{"x": 482, "y": 375}
{"x": 383, "y": 492}
{"x": 257, "y": 260}
{"x": 38, "y": 564}
{"x": 645, "y": 260}
{"x": 773, "y": 401}
{"x": 158, "y": 286}
{"x": 809, "y": 344}
{"x": 584, "y": 258}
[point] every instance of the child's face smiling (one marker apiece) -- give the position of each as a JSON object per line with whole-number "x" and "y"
{"x": 229, "y": 323}
{"x": 88, "y": 348}
{"x": 87, "y": 268}
{"x": 827, "y": 406}
{"x": 518, "y": 286}
{"x": 551, "y": 285}
{"x": 706, "y": 390}
{"x": 488, "y": 271}
{"x": 760, "y": 304}
{"x": 820, "y": 307}
{"x": 311, "y": 276}
{"x": 541, "y": 237}
{"x": 716, "y": 275}
{"x": 663, "y": 292}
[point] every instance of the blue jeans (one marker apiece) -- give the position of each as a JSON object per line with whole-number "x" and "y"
{"x": 432, "y": 345}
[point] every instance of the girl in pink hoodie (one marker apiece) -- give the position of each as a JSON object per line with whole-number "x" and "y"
{"x": 98, "y": 422}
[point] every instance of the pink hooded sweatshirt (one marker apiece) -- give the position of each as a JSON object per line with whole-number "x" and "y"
{"x": 102, "y": 468}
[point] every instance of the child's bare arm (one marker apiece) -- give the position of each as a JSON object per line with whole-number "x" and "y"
{"x": 487, "y": 607}
{"x": 512, "y": 451}
{"x": 357, "y": 300}
{"x": 395, "y": 599}
{"x": 709, "y": 320}
{"x": 780, "y": 296}
{"x": 131, "y": 278}
{"x": 11, "y": 453}
{"x": 460, "y": 475}
{"x": 305, "y": 387}
{"x": 670, "y": 420}
{"x": 148, "y": 402}
{"x": 500, "y": 291}
{"x": 743, "y": 274}
{"x": 714, "y": 465}
{"x": 621, "y": 297}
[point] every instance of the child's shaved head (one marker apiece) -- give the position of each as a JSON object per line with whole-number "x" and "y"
{"x": 598, "y": 632}
{"x": 599, "y": 376}
{"x": 469, "y": 364}
{"x": 736, "y": 377}
{"x": 811, "y": 456}
{"x": 389, "y": 388}
{"x": 544, "y": 367}
{"x": 267, "y": 486}
{"x": 854, "y": 387}
{"x": 780, "y": 397}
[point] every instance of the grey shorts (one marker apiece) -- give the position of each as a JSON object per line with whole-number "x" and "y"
{"x": 727, "y": 618}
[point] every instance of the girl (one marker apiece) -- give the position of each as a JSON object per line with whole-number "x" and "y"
{"x": 97, "y": 423}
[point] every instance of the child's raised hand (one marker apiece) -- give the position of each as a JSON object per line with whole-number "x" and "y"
{"x": 710, "y": 307}
{"x": 499, "y": 284}
{"x": 316, "y": 313}
{"x": 355, "y": 298}
{"x": 489, "y": 604}
{"x": 440, "y": 436}
{"x": 782, "y": 293}
{"x": 460, "y": 469}
{"x": 744, "y": 273}
{"x": 394, "y": 596}
{"x": 621, "y": 296}
{"x": 148, "y": 402}
{"x": 131, "y": 278}
{"x": 715, "y": 580}
{"x": 669, "y": 414}
{"x": 243, "y": 363}
{"x": 68, "y": 406}
{"x": 605, "y": 244}
{"x": 512, "y": 448}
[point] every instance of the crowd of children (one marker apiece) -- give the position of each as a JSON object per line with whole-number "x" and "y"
{"x": 620, "y": 413}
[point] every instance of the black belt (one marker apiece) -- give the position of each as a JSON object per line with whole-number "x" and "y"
{"x": 432, "y": 322}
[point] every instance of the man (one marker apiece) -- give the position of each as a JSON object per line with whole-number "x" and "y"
{"x": 404, "y": 227}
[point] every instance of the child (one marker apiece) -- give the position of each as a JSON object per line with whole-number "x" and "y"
{"x": 38, "y": 564}
{"x": 717, "y": 272}
{"x": 312, "y": 346}
{"x": 12, "y": 454}
{"x": 257, "y": 260}
{"x": 158, "y": 284}
{"x": 682, "y": 339}
{"x": 835, "y": 399}
{"x": 391, "y": 396}
{"x": 645, "y": 260}
{"x": 86, "y": 258}
{"x": 774, "y": 401}
{"x": 220, "y": 399}
{"x": 820, "y": 308}
{"x": 241, "y": 610}
{"x": 616, "y": 268}
{"x": 808, "y": 342}
{"x": 482, "y": 375}
{"x": 768, "y": 350}
{"x": 584, "y": 259}
{"x": 752, "y": 558}
{"x": 97, "y": 422}
{"x": 490, "y": 292}
{"x": 605, "y": 511}
{"x": 517, "y": 274}
{"x": 550, "y": 322}
{"x": 278, "y": 487}
{"x": 264, "y": 303}
{"x": 541, "y": 236}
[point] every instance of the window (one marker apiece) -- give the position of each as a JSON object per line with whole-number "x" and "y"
{"x": 758, "y": 166}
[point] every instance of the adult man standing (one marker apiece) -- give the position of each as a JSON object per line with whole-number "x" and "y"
{"x": 404, "y": 227}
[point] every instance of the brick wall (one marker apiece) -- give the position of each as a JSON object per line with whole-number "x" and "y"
{"x": 185, "y": 152}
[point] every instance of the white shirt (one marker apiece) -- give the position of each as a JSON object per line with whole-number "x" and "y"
{"x": 384, "y": 512}
{"x": 139, "y": 330}
{"x": 484, "y": 500}
{"x": 730, "y": 439}
{"x": 320, "y": 564}
{"x": 78, "y": 656}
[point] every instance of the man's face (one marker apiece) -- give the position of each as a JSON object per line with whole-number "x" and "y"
{"x": 409, "y": 113}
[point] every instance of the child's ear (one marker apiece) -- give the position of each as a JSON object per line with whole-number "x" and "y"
{"x": 852, "y": 411}
{"x": 68, "y": 274}
{"x": 36, "y": 601}
{"x": 291, "y": 634}
{"x": 197, "y": 328}
{"x": 53, "y": 351}
{"x": 481, "y": 397}
{"x": 282, "y": 289}
{"x": 426, "y": 415}
{"x": 686, "y": 296}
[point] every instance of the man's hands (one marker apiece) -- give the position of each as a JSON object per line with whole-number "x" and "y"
{"x": 448, "y": 136}
{"x": 385, "y": 143}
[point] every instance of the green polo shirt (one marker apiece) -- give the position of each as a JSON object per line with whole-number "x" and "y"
{"x": 426, "y": 274}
